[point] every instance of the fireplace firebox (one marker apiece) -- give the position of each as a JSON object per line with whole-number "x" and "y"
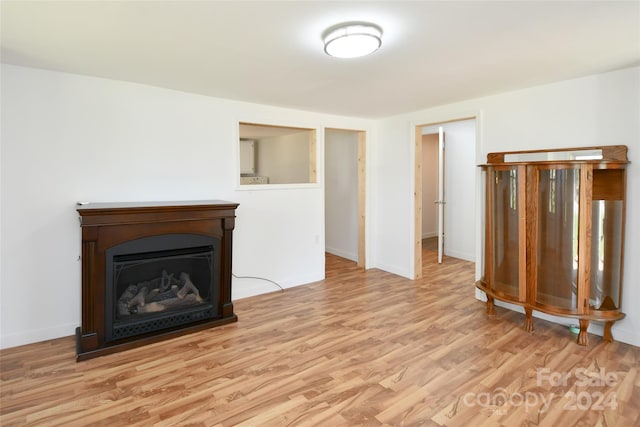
{"x": 152, "y": 271}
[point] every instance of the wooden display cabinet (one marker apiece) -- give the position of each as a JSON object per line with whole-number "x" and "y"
{"x": 554, "y": 234}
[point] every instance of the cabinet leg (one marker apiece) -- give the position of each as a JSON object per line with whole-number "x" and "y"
{"x": 491, "y": 309}
{"x": 583, "y": 339}
{"x": 528, "y": 320}
{"x": 607, "y": 336}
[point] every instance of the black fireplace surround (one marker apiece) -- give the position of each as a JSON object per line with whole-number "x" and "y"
{"x": 152, "y": 271}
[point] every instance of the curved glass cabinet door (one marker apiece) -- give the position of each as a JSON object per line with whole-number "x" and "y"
{"x": 557, "y": 224}
{"x": 504, "y": 229}
{"x": 607, "y": 217}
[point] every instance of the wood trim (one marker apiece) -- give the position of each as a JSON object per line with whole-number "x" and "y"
{"x": 444, "y": 122}
{"x": 584, "y": 237}
{"x": 624, "y": 221}
{"x": 88, "y": 297}
{"x": 522, "y": 233}
{"x": 417, "y": 200}
{"x": 600, "y": 316}
{"x": 610, "y": 153}
{"x": 362, "y": 200}
{"x": 615, "y": 153}
{"x": 313, "y": 168}
{"x": 274, "y": 126}
{"x": 98, "y": 214}
{"x": 495, "y": 158}
{"x": 488, "y": 245}
{"x": 228, "y": 224}
{"x": 533, "y": 189}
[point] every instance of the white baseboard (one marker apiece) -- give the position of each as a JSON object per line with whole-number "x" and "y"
{"x": 244, "y": 287}
{"x": 37, "y": 335}
{"x": 341, "y": 253}
{"x": 393, "y": 269}
{"x": 461, "y": 255}
{"x": 429, "y": 234}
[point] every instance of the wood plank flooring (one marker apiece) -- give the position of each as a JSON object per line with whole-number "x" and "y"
{"x": 361, "y": 348}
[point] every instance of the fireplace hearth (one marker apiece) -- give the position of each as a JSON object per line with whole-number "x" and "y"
{"x": 152, "y": 271}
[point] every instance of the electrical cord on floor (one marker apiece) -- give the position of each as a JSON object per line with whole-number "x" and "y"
{"x": 259, "y": 278}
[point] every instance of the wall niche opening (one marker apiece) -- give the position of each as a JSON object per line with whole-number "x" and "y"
{"x": 271, "y": 154}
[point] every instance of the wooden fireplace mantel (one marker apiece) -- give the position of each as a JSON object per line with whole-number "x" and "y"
{"x": 105, "y": 225}
{"x": 96, "y": 214}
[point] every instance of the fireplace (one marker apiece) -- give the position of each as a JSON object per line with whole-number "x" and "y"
{"x": 152, "y": 271}
{"x": 149, "y": 289}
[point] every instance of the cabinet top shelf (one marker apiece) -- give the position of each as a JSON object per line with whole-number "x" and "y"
{"x": 601, "y": 154}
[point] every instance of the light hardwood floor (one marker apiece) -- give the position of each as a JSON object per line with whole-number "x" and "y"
{"x": 359, "y": 348}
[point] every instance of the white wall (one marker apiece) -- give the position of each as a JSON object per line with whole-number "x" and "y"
{"x": 602, "y": 109}
{"x": 429, "y": 185}
{"x": 459, "y": 188}
{"x": 341, "y": 193}
{"x": 68, "y": 138}
{"x": 391, "y": 194}
{"x": 284, "y": 159}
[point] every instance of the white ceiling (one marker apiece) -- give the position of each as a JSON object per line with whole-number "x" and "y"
{"x": 271, "y": 53}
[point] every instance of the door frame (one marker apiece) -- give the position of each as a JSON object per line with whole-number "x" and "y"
{"x": 417, "y": 199}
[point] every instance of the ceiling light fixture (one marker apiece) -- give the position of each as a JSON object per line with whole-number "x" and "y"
{"x": 352, "y": 40}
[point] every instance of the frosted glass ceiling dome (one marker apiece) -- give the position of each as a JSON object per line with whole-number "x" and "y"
{"x": 352, "y": 40}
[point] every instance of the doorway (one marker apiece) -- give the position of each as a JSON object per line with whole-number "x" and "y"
{"x": 459, "y": 179}
{"x": 430, "y": 170}
{"x": 345, "y": 198}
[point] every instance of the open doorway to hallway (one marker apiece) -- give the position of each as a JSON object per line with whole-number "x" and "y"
{"x": 458, "y": 198}
{"x": 345, "y": 215}
{"x": 430, "y": 171}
